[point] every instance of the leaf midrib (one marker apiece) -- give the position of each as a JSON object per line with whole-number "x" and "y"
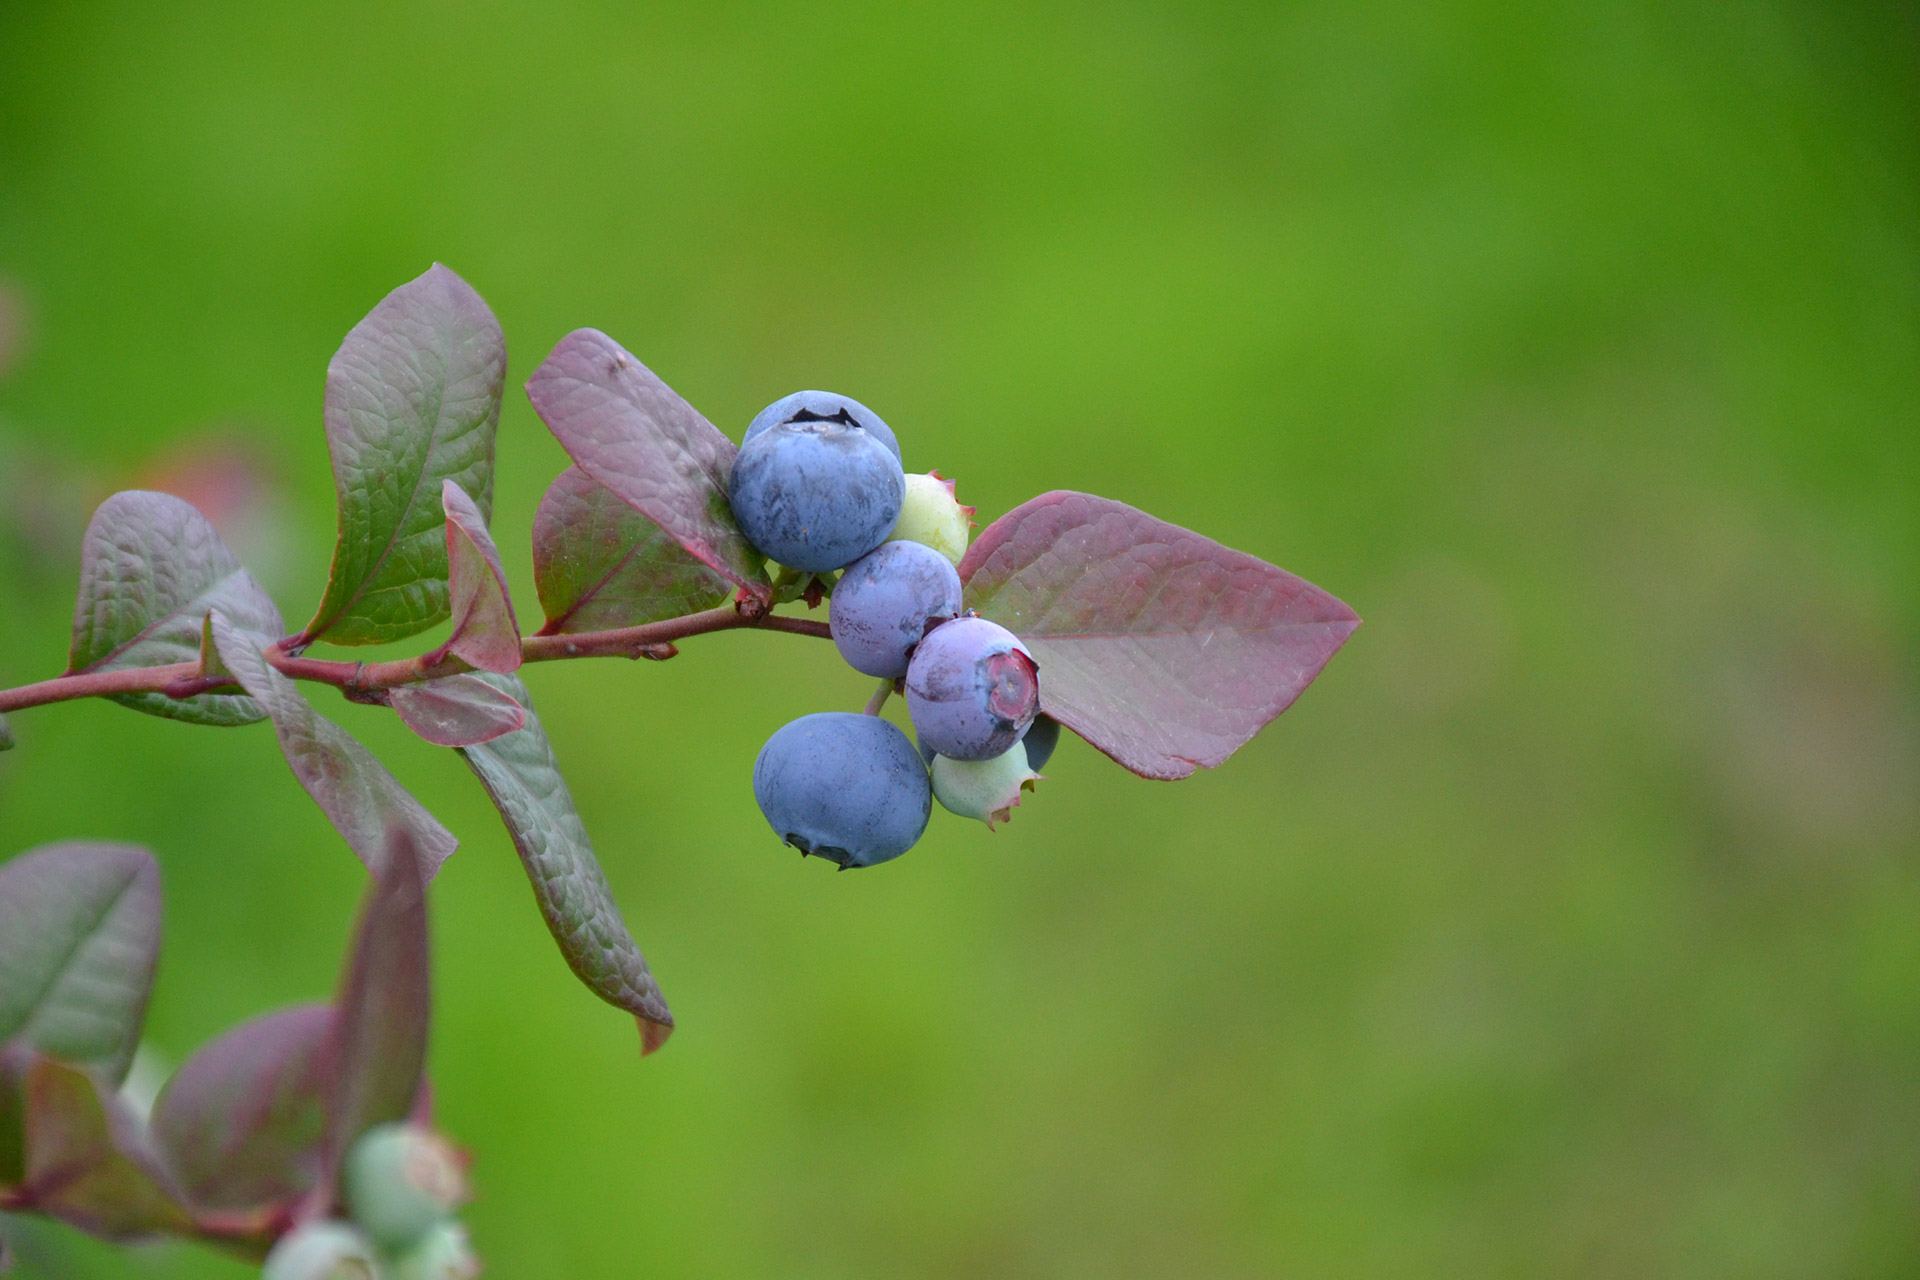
{"x": 413, "y": 498}
{"x": 66, "y": 962}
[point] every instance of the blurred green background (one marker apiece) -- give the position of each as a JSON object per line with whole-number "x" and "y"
{"x": 1569, "y": 926}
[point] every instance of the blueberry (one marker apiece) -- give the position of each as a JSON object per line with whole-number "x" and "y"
{"x": 1042, "y": 737}
{"x": 984, "y": 789}
{"x": 972, "y": 689}
{"x": 401, "y": 1181}
{"x": 321, "y": 1250}
{"x": 822, "y": 406}
{"x": 930, "y": 513}
{"x": 816, "y": 493}
{"x": 442, "y": 1254}
{"x": 884, "y": 602}
{"x": 845, "y": 787}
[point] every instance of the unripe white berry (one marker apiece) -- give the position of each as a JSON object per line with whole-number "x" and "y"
{"x": 322, "y": 1251}
{"x": 930, "y": 514}
{"x": 442, "y": 1254}
{"x": 402, "y": 1180}
{"x": 984, "y": 789}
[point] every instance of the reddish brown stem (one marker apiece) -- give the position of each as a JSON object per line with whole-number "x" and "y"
{"x": 183, "y": 679}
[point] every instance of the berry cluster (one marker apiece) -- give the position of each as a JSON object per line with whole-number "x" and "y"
{"x": 818, "y": 487}
{"x": 402, "y": 1184}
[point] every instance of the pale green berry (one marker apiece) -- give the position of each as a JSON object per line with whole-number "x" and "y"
{"x": 930, "y": 514}
{"x": 984, "y": 789}
{"x": 442, "y": 1254}
{"x": 322, "y": 1251}
{"x": 402, "y": 1180}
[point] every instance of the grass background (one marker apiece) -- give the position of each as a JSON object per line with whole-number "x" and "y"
{"x": 1567, "y": 927}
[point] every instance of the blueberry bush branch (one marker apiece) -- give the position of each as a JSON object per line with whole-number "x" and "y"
{"x": 185, "y": 680}
{"x": 1162, "y": 648}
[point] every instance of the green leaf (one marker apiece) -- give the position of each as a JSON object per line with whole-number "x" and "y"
{"x": 151, "y": 569}
{"x": 242, "y": 1122}
{"x": 377, "y": 1052}
{"x": 413, "y": 398}
{"x": 88, "y": 1162}
{"x": 485, "y": 632}
{"x": 79, "y": 939}
{"x": 600, "y": 565}
{"x": 6, "y": 735}
{"x": 521, "y": 775}
{"x": 362, "y": 800}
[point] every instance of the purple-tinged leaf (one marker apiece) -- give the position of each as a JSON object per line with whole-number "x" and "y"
{"x": 151, "y": 569}
{"x": 362, "y": 800}
{"x": 456, "y": 711}
{"x": 485, "y": 634}
{"x": 242, "y": 1122}
{"x": 14, "y": 1061}
{"x": 521, "y": 775}
{"x": 413, "y": 398}
{"x": 88, "y": 1161}
{"x": 632, "y": 433}
{"x": 377, "y": 1052}
{"x": 1162, "y": 648}
{"x": 79, "y": 939}
{"x": 600, "y": 565}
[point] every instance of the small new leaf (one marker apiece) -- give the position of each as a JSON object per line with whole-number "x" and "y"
{"x": 151, "y": 570}
{"x": 362, "y": 800}
{"x": 79, "y": 939}
{"x": 600, "y": 565}
{"x": 1161, "y": 647}
{"x": 521, "y": 775}
{"x": 632, "y": 433}
{"x": 377, "y": 1051}
{"x": 6, "y": 735}
{"x": 88, "y": 1162}
{"x": 413, "y": 400}
{"x": 241, "y": 1123}
{"x": 485, "y": 633}
{"x": 456, "y": 711}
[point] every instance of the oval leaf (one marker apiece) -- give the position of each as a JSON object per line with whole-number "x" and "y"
{"x": 632, "y": 433}
{"x": 485, "y": 633}
{"x": 413, "y": 399}
{"x": 88, "y": 1162}
{"x": 521, "y": 775}
{"x": 1161, "y": 647}
{"x": 456, "y": 711}
{"x": 79, "y": 939}
{"x": 600, "y": 565}
{"x": 151, "y": 569}
{"x": 242, "y": 1121}
{"x": 377, "y": 1052}
{"x": 362, "y": 800}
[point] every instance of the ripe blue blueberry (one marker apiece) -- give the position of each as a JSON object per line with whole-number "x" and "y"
{"x": 1042, "y": 737}
{"x": 816, "y": 493}
{"x": 822, "y": 406}
{"x": 845, "y": 787}
{"x": 884, "y": 602}
{"x": 972, "y": 689}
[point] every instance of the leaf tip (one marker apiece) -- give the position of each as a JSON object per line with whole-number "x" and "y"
{"x": 653, "y": 1033}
